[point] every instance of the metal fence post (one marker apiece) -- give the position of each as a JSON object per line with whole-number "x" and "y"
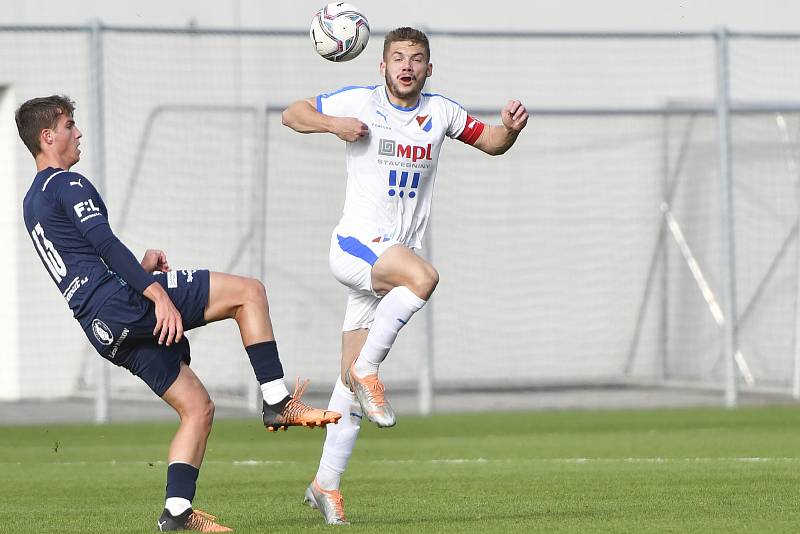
{"x": 796, "y": 363}
{"x": 425, "y": 377}
{"x": 796, "y": 373}
{"x": 728, "y": 265}
{"x": 101, "y": 398}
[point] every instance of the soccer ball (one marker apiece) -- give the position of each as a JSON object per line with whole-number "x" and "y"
{"x": 339, "y": 32}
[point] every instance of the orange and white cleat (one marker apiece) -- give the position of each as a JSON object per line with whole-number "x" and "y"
{"x": 292, "y": 412}
{"x": 328, "y": 502}
{"x": 369, "y": 392}
{"x": 195, "y": 520}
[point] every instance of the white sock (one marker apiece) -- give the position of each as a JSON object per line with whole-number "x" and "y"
{"x": 274, "y": 391}
{"x": 340, "y": 439}
{"x": 393, "y": 312}
{"x": 177, "y": 505}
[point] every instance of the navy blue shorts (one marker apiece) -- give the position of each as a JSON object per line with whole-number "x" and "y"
{"x": 122, "y": 331}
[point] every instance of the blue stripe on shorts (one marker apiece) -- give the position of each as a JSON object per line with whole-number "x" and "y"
{"x": 356, "y": 248}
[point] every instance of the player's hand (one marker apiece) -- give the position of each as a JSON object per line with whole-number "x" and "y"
{"x": 350, "y": 129}
{"x": 514, "y": 116}
{"x": 169, "y": 324}
{"x": 155, "y": 260}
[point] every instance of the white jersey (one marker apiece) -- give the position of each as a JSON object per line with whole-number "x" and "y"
{"x": 390, "y": 172}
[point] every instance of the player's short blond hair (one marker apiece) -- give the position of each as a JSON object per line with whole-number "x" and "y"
{"x": 406, "y": 34}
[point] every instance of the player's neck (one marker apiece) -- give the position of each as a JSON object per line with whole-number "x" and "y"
{"x": 408, "y": 102}
{"x": 44, "y": 161}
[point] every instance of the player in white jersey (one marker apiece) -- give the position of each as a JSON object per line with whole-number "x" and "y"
{"x": 394, "y": 134}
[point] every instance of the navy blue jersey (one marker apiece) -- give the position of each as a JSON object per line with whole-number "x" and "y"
{"x": 59, "y": 209}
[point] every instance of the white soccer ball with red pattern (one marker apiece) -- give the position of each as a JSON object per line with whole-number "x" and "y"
{"x": 339, "y": 32}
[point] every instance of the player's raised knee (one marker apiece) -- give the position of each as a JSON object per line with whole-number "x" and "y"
{"x": 255, "y": 291}
{"x": 424, "y": 281}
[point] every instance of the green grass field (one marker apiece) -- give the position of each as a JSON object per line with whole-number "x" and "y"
{"x": 700, "y": 470}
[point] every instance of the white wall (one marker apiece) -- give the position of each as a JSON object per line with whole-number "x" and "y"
{"x": 667, "y": 15}
{"x": 10, "y": 230}
{"x": 144, "y": 71}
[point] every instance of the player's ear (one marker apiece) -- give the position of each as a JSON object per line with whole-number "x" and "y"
{"x": 46, "y": 136}
{"x": 383, "y": 69}
{"x": 430, "y": 70}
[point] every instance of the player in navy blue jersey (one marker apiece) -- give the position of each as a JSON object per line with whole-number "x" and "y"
{"x": 135, "y": 313}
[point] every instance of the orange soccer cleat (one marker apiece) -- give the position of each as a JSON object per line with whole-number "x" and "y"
{"x": 195, "y": 520}
{"x": 328, "y": 502}
{"x": 369, "y": 392}
{"x": 292, "y": 412}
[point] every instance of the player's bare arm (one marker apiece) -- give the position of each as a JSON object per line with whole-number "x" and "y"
{"x": 155, "y": 260}
{"x": 169, "y": 324}
{"x": 302, "y": 117}
{"x": 496, "y": 140}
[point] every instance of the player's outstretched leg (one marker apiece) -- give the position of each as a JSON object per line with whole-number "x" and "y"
{"x": 292, "y": 412}
{"x": 245, "y": 301}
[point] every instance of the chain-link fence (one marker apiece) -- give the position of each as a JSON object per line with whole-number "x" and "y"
{"x": 653, "y": 191}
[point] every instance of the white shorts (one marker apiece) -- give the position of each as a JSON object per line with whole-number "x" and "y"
{"x": 351, "y": 260}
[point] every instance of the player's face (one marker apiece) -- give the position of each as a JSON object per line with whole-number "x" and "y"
{"x": 406, "y": 68}
{"x": 66, "y": 140}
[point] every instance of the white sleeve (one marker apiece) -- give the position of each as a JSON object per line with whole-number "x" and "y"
{"x": 456, "y": 118}
{"x": 344, "y": 102}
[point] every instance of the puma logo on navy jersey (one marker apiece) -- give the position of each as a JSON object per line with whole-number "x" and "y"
{"x": 78, "y": 183}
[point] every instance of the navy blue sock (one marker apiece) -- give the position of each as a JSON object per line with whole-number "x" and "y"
{"x": 265, "y": 361}
{"x": 182, "y": 480}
